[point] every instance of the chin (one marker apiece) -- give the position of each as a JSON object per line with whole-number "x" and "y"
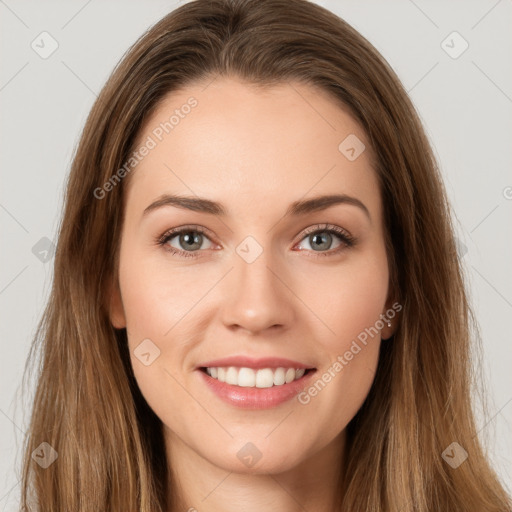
{"x": 255, "y": 459}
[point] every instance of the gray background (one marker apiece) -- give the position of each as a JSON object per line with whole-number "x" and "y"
{"x": 465, "y": 104}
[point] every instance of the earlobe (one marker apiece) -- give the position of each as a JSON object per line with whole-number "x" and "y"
{"x": 115, "y": 306}
{"x": 388, "y": 330}
{"x": 390, "y": 320}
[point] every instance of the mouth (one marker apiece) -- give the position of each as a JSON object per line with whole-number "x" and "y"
{"x": 255, "y": 388}
{"x": 247, "y": 382}
{"x": 256, "y": 378}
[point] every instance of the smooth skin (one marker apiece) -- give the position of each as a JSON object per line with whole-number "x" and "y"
{"x": 256, "y": 151}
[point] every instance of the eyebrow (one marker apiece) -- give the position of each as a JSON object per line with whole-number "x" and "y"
{"x": 297, "y": 208}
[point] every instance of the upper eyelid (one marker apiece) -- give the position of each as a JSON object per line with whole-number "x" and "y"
{"x": 171, "y": 233}
{"x": 325, "y": 227}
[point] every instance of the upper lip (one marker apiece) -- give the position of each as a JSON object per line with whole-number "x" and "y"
{"x": 250, "y": 362}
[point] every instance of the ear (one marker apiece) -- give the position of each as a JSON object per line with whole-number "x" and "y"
{"x": 390, "y": 315}
{"x": 115, "y": 304}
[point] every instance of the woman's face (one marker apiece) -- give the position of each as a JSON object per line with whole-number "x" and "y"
{"x": 264, "y": 279}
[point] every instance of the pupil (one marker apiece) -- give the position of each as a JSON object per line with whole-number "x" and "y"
{"x": 324, "y": 240}
{"x": 189, "y": 239}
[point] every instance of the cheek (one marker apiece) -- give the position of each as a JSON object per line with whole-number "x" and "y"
{"x": 155, "y": 298}
{"x": 159, "y": 307}
{"x": 349, "y": 300}
{"x": 342, "y": 384}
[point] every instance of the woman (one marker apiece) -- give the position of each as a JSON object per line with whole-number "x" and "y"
{"x": 200, "y": 350}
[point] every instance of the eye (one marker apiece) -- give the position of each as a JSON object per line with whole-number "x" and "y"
{"x": 185, "y": 241}
{"x": 320, "y": 237}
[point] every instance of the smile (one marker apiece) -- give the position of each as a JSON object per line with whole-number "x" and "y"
{"x": 252, "y": 378}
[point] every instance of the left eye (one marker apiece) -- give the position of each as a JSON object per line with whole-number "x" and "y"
{"x": 322, "y": 240}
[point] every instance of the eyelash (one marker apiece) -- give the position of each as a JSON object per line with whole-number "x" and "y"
{"x": 347, "y": 240}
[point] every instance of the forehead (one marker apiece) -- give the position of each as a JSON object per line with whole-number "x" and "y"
{"x": 238, "y": 144}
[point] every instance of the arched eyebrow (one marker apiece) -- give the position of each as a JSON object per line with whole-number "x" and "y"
{"x": 320, "y": 203}
{"x": 297, "y": 208}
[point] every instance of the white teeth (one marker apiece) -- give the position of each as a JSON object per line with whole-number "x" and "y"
{"x": 265, "y": 378}
{"x": 290, "y": 375}
{"x": 279, "y": 379}
{"x": 232, "y": 376}
{"x": 250, "y": 378}
{"x": 246, "y": 378}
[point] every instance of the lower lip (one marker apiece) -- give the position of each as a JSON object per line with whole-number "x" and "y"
{"x": 256, "y": 398}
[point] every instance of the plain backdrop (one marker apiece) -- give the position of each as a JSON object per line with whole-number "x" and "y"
{"x": 464, "y": 99}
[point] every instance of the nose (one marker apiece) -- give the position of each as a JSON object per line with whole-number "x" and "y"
{"x": 257, "y": 296}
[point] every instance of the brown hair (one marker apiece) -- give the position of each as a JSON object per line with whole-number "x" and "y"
{"x": 87, "y": 404}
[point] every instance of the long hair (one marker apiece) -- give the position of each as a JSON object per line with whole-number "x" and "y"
{"x": 87, "y": 405}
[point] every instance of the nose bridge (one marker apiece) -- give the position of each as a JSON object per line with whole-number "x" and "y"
{"x": 255, "y": 297}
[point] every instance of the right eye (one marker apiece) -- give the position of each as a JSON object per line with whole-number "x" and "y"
{"x": 184, "y": 241}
